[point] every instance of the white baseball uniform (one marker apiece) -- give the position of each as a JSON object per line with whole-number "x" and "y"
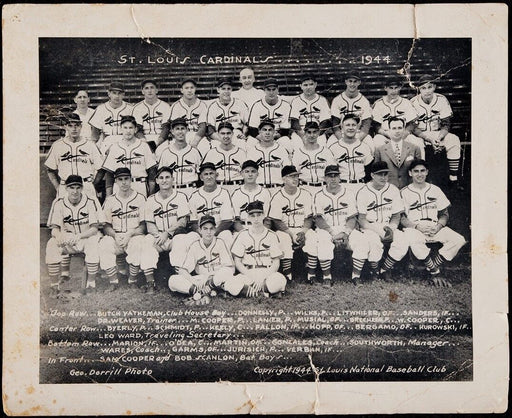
{"x": 359, "y": 106}
{"x": 270, "y": 160}
{"x": 151, "y": 117}
{"x": 108, "y": 121}
{"x": 241, "y": 197}
{"x": 311, "y": 165}
{"x": 86, "y": 127}
{"x": 314, "y": 110}
{"x": 228, "y": 164}
{"x": 234, "y": 112}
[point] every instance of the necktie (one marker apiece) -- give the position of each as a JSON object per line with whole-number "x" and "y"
{"x": 397, "y": 153}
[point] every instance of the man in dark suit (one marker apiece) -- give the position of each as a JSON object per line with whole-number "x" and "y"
{"x": 397, "y": 153}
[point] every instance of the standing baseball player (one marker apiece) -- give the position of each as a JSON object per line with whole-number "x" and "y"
{"x": 181, "y": 157}
{"x": 227, "y": 157}
{"x": 150, "y": 114}
{"x": 433, "y": 124}
{"x": 210, "y": 259}
{"x": 134, "y": 154}
{"x": 425, "y": 220}
{"x": 256, "y": 253}
{"x": 83, "y": 110}
{"x": 291, "y": 212}
{"x": 166, "y": 214}
{"x": 335, "y": 220}
{"x": 74, "y": 224}
{"x": 123, "y": 228}
{"x": 73, "y": 155}
{"x": 380, "y": 206}
{"x": 353, "y": 156}
{"x": 248, "y": 93}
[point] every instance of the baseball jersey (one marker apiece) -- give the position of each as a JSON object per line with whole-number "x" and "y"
{"x": 256, "y": 249}
{"x": 359, "y": 105}
{"x": 124, "y": 214}
{"x": 249, "y": 97}
{"x": 423, "y": 203}
{"x": 152, "y": 116}
{"x": 401, "y": 108}
{"x": 241, "y": 197}
{"x": 379, "y": 205}
{"x": 81, "y": 158}
{"x": 136, "y": 156}
{"x": 270, "y": 160}
{"x": 108, "y": 120}
{"x": 430, "y": 115}
{"x": 74, "y": 218}
{"x": 217, "y": 204}
{"x": 351, "y": 158}
{"x": 291, "y": 209}
{"x": 185, "y": 161}
{"x": 335, "y": 208}
{"x": 312, "y": 163}
{"x": 193, "y": 114}
{"x": 279, "y": 114}
{"x": 86, "y": 128}
{"x": 206, "y": 260}
{"x": 164, "y": 213}
{"x": 228, "y": 163}
{"x": 234, "y": 112}
{"x": 314, "y": 110}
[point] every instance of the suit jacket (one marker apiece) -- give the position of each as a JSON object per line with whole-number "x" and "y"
{"x": 398, "y": 173}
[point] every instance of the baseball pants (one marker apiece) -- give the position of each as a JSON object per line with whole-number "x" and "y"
{"x": 285, "y": 242}
{"x": 357, "y": 243}
{"x": 182, "y": 284}
{"x": 450, "y": 142}
{"x": 397, "y": 249}
{"x": 109, "y": 249}
{"x": 179, "y": 252}
{"x": 274, "y": 281}
{"x": 451, "y": 240}
{"x": 88, "y": 246}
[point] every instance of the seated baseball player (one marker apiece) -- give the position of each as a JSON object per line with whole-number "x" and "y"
{"x": 74, "y": 221}
{"x": 291, "y": 213}
{"x": 335, "y": 220}
{"x": 166, "y": 215}
{"x": 425, "y": 221}
{"x": 124, "y": 229}
{"x": 380, "y": 206}
{"x": 256, "y": 253}
{"x": 207, "y": 264}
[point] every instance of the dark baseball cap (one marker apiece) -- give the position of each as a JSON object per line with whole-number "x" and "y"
{"x": 178, "y": 122}
{"x": 394, "y": 80}
{"x": 115, "y": 85}
{"x": 256, "y": 206}
{"x": 250, "y": 163}
{"x": 426, "y": 78}
{"x": 266, "y": 122}
{"x": 225, "y": 125}
{"x": 188, "y": 80}
{"x": 149, "y": 81}
{"x": 72, "y": 118}
{"x": 352, "y": 74}
{"x": 269, "y": 82}
{"x": 379, "y": 166}
{"x": 307, "y": 77}
{"x": 130, "y": 119}
{"x": 288, "y": 170}
{"x": 207, "y": 219}
{"x": 311, "y": 125}
{"x": 122, "y": 171}
{"x": 73, "y": 179}
{"x": 206, "y": 166}
{"x": 351, "y": 116}
{"x": 416, "y": 162}
{"x": 331, "y": 169}
{"x": 224, "y": 81}
{"x": 165, "y": 168}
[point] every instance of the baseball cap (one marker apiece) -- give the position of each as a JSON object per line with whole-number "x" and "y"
{"x": 188, "y": 80}
{"x": 379, "y": 166}
{"x": 256, "y": 206}
{"x": 225, "y": 125}
{"x": 206, "y": 166}
{"x": 115, "y": 85}
{"x": 250, "y": 163}
{"x": 130, "y": 119}
{"x": 149, "y": 81}
{"x": 307, "y": 77}
{"x": 288, "y": 170}
{"x": 416, "y": 162}
{"x": 178, "y": 122}
{"x": 207, "y": 219}
{"x": 351, "y": 116}
{"x": 394, "y": 80}
{"x": 269, "y": 82}
{"x": 426, "y": 78}
{"x": 165, "y": 168}
{"x": 72, "y": 118}
{"x": 331, "y": 169}
{"x": 223, "y": 81}
{"x": 122, "y": 171}
{"x": 352, "y": 74}
{"x": 311, "y": 125}
{"x": 74, "y": 179}
{"x": 266, "y": 122}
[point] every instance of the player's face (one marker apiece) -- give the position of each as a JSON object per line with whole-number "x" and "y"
{"x": 393, "y": 90}
{"x": 116, "y": 96}
{"x": 128, "y": 130}
{"x": 256, "y": 218}
{"x": 332, "y": 181}
{"x": 73, "y": 129}
{"x": 308, "y": 87}
{"x": 349, "y": 128}
{"x": 209, "y": 177}
{"x": 291, "y": 180}
{"x": 352, "y": 84}
{"x": 380, "y": 179}
{"x": 225, "y": 92}
{"x": 247, "y": 78}
{"x": 82, "y": 99}
{"x": 311, "y": 135}
{"x": 188, "y": 90}
{"x": 249, "y": 174}
{"x": 396, "y": 130}
{"x": 419, "y": 174}
{"x": 179, "y": 133}
{"x": 74, "y": 193}
{"x": 427, "y": 91}
{"x": 164, "y": 180}
{"x": 149, "y": 91}
{"x": 124, "y": 183}
{"x": 226, "y": 135}
{"x": 271, "y": 92}
{"x": 207, "y": 232}
{"x": 267, "y": 133}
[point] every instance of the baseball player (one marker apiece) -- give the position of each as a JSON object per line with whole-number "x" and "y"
{"x": 130, "y": 152}
{"x": 353, "y": 156}
{"x": 74, "y": 224}
{"x": 73, "y": 155}
{"x": 335, "y": 220}
{"x": 106, "y": 120}
{"x": 291, "y": 212}
{"x": 393, "y": 105}
{"x": 227, "y": 157}
{"x": 193, "y": 110}
{"x": 309, "y": 107}
{"x": 425, "y": 220}
{"x": 150, "y": 114}
{"x": 352, "y": 101}
{"x": 380, "y": 206}
{"x": 183, "y": 159}
{"x": 433, "y": 124}
{"x": 248, "y": 192}
{"x": 271, "y": 157}
{"x": 123, "y": 228}
{"x": 210, "y": 259}
{"x": 166, "y": 214}
{"x": 256, "y": 253}
{"x": 311, "y": 159}
{"x": 248, "y": 93}
{"x": 83, "y": 110}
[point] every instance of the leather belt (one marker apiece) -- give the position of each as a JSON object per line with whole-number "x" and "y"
{"x": 184, "y": 186}
{"x": 256, "y": 267}
{"x": 312, "y": 184}
{"x": 269, "y": 186}
{"x": 87, "y": 180}
{"x": 352, "y": 181}
{"x": 231, "y": 182}
{"x": 139, "y": 179}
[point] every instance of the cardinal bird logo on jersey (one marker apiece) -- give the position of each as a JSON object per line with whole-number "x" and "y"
{"x": 160, "y": 212}
{"x": 287, "y": 210}
{"x": 110, "y": 121}
{"x": 252, "y": 251}
{"x": 374, "y": 206}
{"x": 118, "y": 213}
{"x": 243, "y": 208}
{"x": 203, "y": 209}
{"x": 203, "y": 261}
{"x": 309, "y": 164}
{"x": 217, "y": 204}
{"x": 313, "y": 112}
{"x": 67, "y": 156}
{"x": 72, "y": 221}
{"x": 147, "y": 118}
{"x": 329, "y": 209}
{"x": 123, "y": 159}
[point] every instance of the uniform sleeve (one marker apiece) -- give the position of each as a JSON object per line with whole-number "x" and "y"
{"x": 275, "y": 248}
{"x": 55, "y": 216}
{"x": 97, "y": 157}
{"x": 377, "y": 112}
{"x": 96, "y": 215}
{"x": 294, "y": 113}
{"x": 226, "y": 210}
{"x": 107, "y": 210}
{"x": 183, "y": 206}
{"x": 325, "y": 113}
{"x": 398, "y": 203}
{"x": 352, "y": 207}
{"x": 286, "y": 115}
{"x": 149, "y": 157}
{"x": 148, "y": 211}
{"x": 96, "y": 118}
{"x": 308, "y": 204}
{"x": 442, "y": 200}
{"x": 190, "y": 261}
{"x": 335, "y": 108}
{"x": 329, "y": 156}
{"x": 142, "y": 206}
{"x": 192, "y": 202}
{"x": 265, "y": 198}
{"x": 361, "y": 202}
{"x": 52, "y": 159}
{"x": 109, "y": 164}
{"x": 210, "y": 115}
{"x": 253, "y": 119}
{"x": 367, "y": 109}
{"x": 410, "y": 111}
{"x": 446, "y": 109}
{"x": 368, "y": 155}
{"x": 318, "y": 208}
{"x": 225, "y": 256}
{"x": 202, "y": 113}
{"x": 275, "y": 210}
{"x": 238, "y": 247}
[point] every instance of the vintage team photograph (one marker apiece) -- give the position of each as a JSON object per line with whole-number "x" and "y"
{"x": 255, "y": 210}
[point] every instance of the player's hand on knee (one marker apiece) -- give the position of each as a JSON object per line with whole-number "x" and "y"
{"x": 162, "y": 237}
